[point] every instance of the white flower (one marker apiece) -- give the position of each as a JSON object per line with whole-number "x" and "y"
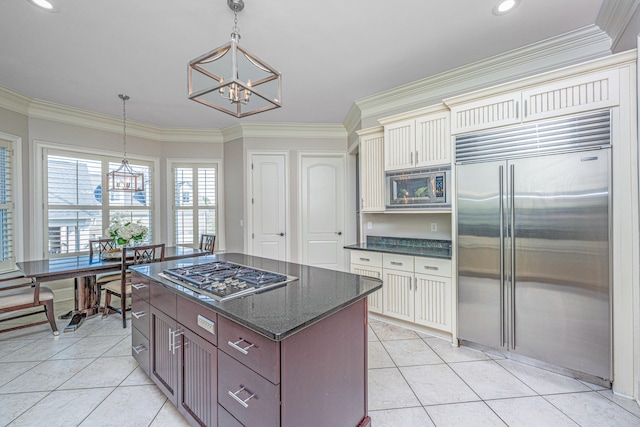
{"x": 124, "y": 231}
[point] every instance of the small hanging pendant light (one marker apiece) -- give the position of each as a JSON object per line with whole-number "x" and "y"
{"x": 232, "y": 80}
{"x": 125, "y": 179}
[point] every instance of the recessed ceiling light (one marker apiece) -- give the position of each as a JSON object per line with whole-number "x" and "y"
{"x": 44, "y": 4}
{"x": 505, "y": 6}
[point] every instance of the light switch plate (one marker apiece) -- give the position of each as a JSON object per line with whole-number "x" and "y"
{"x": 434, "y": 226}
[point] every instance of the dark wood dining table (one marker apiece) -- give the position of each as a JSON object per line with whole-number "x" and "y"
{"x": 84, "y": 268}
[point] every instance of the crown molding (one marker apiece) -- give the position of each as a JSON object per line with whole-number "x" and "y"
{"x": 14, "y": 101}
{"x": 614, "y": 16}
{"x": 75, "y": 116}
{"x": 285, "y": 130}
{"x": 576, "y": 46}
{"x": 352, "y": 121}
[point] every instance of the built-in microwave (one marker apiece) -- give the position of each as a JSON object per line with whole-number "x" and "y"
{"x": 418, "y": 189}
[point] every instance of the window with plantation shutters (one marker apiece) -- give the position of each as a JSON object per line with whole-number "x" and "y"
{"x": 7, "y": 256}
{"x": 195, "y": 202}
{"x": 77, "y": 208}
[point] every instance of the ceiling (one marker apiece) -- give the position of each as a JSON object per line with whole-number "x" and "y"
{"x": 330, "y": 52}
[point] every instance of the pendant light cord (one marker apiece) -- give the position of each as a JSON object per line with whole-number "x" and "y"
{"x": 124, "y": 122}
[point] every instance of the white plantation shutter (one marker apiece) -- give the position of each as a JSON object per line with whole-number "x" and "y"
{"x": 194, "y": 202}
{"x": 7, "y": 256}
{"x": 77, "y": 208}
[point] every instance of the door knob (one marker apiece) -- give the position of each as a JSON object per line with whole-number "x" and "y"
{"x": 281, "y": 234}
{"x": 339, "y": 233}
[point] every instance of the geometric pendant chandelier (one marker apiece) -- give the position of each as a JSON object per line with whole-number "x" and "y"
{"x": 124, "y": 179}
{"x": 233, "y": 80}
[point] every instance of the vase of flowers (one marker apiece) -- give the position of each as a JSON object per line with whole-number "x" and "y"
{"x": 126, "y": 233}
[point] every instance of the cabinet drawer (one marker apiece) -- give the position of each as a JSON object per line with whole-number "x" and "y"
{"x": 434, "y": 266}
{"x": 199, "y": 319}
{"x": 140, "y": 349}
{"x": 250, "y": 348}
{"x": 225, "y": 419}
{"x": 140, "y": 315}
{"x": 163, "y": 299}
{"x": 374, "y": 259}
{"x": 397, "y": 262}
{"x": 139, "y": 286}
{"x": 247, "y": 396}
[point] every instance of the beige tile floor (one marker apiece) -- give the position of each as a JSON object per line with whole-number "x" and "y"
{"x": 88, "y": 378}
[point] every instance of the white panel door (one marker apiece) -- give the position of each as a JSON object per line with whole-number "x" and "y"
{"x": 323, "y": 210}
{"x": 268, "y": 206}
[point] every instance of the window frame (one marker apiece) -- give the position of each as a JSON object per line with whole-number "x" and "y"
{"x": 14, "y": 143}
{"x": 40, "y": 238}
{"x": 219, "y": 205}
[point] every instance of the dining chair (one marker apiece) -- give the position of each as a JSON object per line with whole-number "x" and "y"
{"x": 207, "y": 242}
{"x": 18, "y": 294}
{"x": 101, "y": 246}
{"x": 122, "y": 287}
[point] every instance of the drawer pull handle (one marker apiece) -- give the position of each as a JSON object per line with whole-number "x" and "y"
{"x": 428, "y": 267}
{"x": 396, "y": 263}
{"x": 139, "y": 348}
{"x": 138, "y": 314}
{"x": 138, "y": 286}
{"x": 240, "y": 401}
{"x": 365, "y": 259}
{"x": 240, "y": 349}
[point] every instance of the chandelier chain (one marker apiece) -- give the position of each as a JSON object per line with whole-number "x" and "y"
{"x": 124, "y": 124}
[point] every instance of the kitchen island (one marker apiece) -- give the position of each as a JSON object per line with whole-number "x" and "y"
{"x": 289, "y": 356}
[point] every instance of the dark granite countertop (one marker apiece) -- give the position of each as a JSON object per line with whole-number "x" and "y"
{"x": 405, "y": 246}
{"x": 280, "y": 312}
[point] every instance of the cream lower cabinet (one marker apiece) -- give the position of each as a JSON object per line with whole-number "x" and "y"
{"x": 415, "y": 289}
{"x": 369, "y": 264}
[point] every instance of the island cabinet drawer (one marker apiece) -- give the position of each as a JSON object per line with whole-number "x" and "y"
{"x": 250, "y": 348}
{"x": 140, "y": 349}
{"x": 140, "y": 315}
{"x": 374, "y": 259}
{"x": 163, "y": 299}
{"x": 201, "y": 320}
{"x": 397, "y": 262}
{"x": 225, "y": 419}
{"x": 434, "y": 266}
{"x": 140, "y": 286}
{"x": 247, "y": 396}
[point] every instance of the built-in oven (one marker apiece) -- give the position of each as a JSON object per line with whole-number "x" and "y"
{"x": 418, "y": 189}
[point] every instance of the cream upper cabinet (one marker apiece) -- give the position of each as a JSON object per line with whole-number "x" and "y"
{"x": 372, "y": 169}
{"x": 433, "y": 140}
{"x": 577, "y": 94}
{"x": 416, "y": 139}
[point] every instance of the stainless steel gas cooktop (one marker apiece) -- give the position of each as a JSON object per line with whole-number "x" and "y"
{"x": 222, "y": 280}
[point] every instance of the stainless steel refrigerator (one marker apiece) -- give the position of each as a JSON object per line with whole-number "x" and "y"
{"x": 533, "y": 241}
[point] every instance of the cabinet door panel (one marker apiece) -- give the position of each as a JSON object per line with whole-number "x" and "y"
{"x": 433, "y": 140}
{"x": 372, "y": 172}
{"x": 433, "y": 302}
{"x": 164, "y": 358}
{"x": 398, "y": 295}
{"x": 399, "y": 145}
{"x": 486, "y": 113}
{"x": 198, "y": 396}
{"x": 374, "y": 300}
{"x": 590, "y": 92}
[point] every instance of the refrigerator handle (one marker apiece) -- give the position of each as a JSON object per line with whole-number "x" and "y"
{"x": 512, "y": 227}
{"x": 501, "y": 197}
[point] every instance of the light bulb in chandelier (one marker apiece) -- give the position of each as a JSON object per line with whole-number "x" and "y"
{"x": 236, "y": 93}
